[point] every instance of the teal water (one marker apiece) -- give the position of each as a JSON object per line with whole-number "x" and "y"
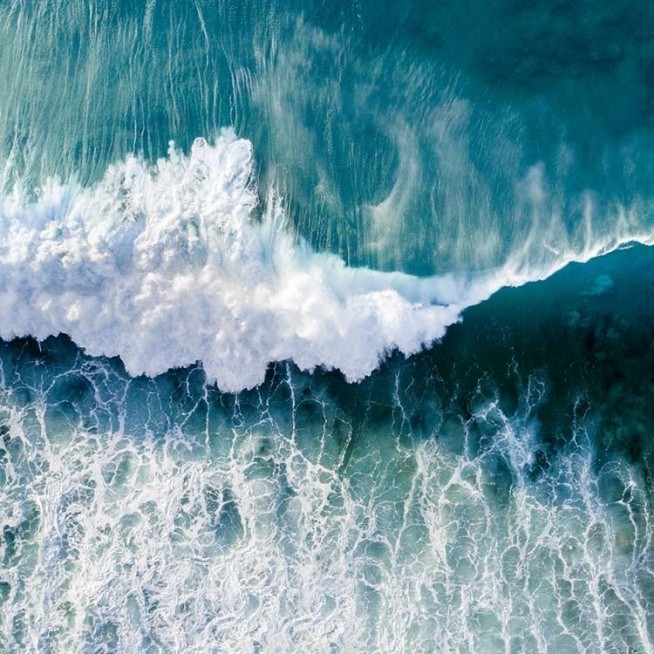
{"x": 364, "y": 361}
{"x": 415, "y": 125}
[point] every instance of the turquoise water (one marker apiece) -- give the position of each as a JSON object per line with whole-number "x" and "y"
{"x": 362, "y": 361}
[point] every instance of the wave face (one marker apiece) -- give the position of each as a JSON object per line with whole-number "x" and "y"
{"x": 369, "y": 370}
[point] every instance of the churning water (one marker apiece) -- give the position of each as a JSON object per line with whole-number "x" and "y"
{"x": 327, "y": 327}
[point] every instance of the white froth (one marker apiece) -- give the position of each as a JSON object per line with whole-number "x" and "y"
{"x": 166, "y": 265}
{"x": 251, "y": 535}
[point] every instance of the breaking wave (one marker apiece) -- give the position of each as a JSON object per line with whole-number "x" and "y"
{"x": 171, "y": 264}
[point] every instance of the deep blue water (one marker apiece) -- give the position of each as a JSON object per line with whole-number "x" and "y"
{"x": 363, "y": 361}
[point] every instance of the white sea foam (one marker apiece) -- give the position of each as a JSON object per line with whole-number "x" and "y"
{"x": 249, "y": 535}
{"x": 166, "y": 265}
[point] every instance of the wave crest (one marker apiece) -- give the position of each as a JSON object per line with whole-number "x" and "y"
{"x": 167, "y": 265}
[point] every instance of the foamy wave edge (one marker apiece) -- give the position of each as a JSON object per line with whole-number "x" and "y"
{"x": 166, "y": 266}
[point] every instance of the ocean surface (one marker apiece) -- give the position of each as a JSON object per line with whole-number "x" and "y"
{"x": 326, "y": 326}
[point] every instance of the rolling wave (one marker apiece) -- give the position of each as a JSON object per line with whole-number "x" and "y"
{"x": 168, "y": 265}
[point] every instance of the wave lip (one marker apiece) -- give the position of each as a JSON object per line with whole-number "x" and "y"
{"x": 166, "y": 266}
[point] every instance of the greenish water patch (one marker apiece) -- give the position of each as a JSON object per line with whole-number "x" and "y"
{"x": 413, "y": 138}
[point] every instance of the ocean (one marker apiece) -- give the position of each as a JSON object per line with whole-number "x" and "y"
{"x": 326, "y": 326}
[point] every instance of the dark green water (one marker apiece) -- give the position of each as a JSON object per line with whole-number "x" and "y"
{"x": 414, "y": 247}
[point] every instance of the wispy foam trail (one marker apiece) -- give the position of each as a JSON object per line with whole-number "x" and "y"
{"x": 165, "y": 266}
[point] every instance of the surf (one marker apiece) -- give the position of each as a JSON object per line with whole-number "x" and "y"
{"x": 167, "y": 265}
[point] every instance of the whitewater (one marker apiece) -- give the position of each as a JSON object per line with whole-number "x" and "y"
{"x": 326, "y": 328}
{"x": 167, "y": 265}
